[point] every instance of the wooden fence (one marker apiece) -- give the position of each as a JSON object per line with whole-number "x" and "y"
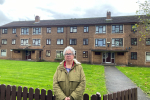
{"x": 10, "y": 93}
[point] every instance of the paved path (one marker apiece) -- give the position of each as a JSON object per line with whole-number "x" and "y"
{"x": 117, "y": 81}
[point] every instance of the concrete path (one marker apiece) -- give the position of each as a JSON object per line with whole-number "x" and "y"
{"x": 117, "y": 81}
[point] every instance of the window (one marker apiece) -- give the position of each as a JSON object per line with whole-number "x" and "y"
{"x": 85, "y": 41}
{"x": 147, "y": 56}
{"x": 48, "y": 41}
{"x": 4, "y": 31}
{"x": 117, "y": 28}
{"x": 13, "y": 41}
{"x": 48, "y": 30}
{"x": 36, "y": 42}
{"x": 85, "y": 54}
{"x": 100, "y": 29}
{"x": 133, "y": 28}
{"x": 60, "y": 29}
{"x": 16, "y": 51}
{"x": 100, "y": 42}
{"x": 14, "y": 30}
{"x": 134, "y": 55}
{"x": 60, "y": 41}
{"x": 133, "y": 41}
{"x": 73, "y": 29}
{"x": 3, "y": 52}
{"x": 4, "y": 41}
{"x": 120, "y": 53}
{"x": 97, "y": 53}
{"x": 86, "y": 29}
{"x": 73, "y": 41}
{"x": 47, "y": 53}
{"x": 148, "y": 41}
{"x": 24, "y": 31}
{"x": 59, "y": 54}
{"x": 117, "y": 42}
{"x": 24, "y": 41}
{"x": 36, "y": 30}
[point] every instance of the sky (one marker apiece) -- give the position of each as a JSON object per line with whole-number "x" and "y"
{"x": 26, "y": 10}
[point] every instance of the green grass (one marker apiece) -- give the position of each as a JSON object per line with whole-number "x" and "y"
{"x": 40, "y": 75}
{"x": 139, "y": 75}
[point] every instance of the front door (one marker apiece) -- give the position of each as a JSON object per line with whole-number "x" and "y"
{"x": 108, "y": 57}
{"x": 28, "y": 55}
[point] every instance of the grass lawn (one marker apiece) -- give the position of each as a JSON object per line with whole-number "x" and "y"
{"x": 40, "y": 75}
{"x": 139, "y": 75}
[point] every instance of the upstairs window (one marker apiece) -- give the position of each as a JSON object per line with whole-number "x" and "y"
{"x": 73, "y": 41}
{"x": 36, "y": 42}
{"x": 133, "y": 41}
{"x": 25, "y": 31}
{"x": 148, "y": 41}
{"x": 4, "y": 41}
{"x": 48, "y": 41}
{"x": 73, "y": 29}
{"x": 101, "y": 29}
{"x": 59, "y": 41}
{"x": 117, "y": 42}
{"x": 24, "y": 42}
{"x": 100, "y": 42}
{"x": 4, "y": 31}
{"x": 13, "y": 41}
{"x": 60, "y": 30}
{"x": 85, "y": 41}
{"x": 48, "y": 29}
{"x": 36, "y": 30}
{"x": 14, "y": 30}
{"x": 117, "y": 28}
{"x": 134, "y": 55}
{"x": 86, "y": 29}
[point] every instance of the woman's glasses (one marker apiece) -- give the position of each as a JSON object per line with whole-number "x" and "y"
{"x": 68, "y": 54}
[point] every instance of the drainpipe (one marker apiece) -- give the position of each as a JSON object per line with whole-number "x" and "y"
{"x": 66, "y": 36}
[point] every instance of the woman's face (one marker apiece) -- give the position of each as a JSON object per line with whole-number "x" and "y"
{"x": 69, "y": 55}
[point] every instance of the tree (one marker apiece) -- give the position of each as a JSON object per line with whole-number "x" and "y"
{"x": 143, "y": 26}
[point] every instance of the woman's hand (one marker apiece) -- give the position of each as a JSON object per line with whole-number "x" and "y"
{"x": 67, "y": 98}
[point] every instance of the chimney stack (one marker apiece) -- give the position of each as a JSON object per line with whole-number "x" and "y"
{"x": 37, "y": 19}
{"x": 108, "y": 15}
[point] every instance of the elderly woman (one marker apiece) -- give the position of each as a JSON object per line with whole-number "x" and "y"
{"x": 69, "y": 78}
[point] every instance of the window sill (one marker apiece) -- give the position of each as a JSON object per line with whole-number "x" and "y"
{"x": 100, "y": 33}
{"x": 116, "y": 46}
{"x": 36, "y": 34}
{"x": 116, "y": 33}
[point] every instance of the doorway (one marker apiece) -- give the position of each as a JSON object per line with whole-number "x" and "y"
{"x": 28, "y": 55}
{"x": 108, "y": 57}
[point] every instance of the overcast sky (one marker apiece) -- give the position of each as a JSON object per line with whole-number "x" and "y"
{"x": 21, "y": 10}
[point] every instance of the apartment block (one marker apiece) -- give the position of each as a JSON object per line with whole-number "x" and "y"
{"x": 101, "y": 40}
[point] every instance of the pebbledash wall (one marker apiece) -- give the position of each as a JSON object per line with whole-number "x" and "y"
{"x": 96, "y": 40}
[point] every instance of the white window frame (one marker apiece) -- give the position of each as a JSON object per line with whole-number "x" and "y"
{"x": 48, "y": 30}
{"x": 119, "y": 28}
{"x": 13, "y": 41}
{"x": 61, "y": 51}
{"x": 60, "y": 41}
{"x": 37, "y": 30}
{"x": 24, "y": 42}
{"x": 22, "y": 31}
{"x": 100, "y": 39}
{"x": 4, "y": 31}
{"x": 48, "y": 53}
{"x": 146, "y": 56}
{"x": 98, "y": 27}
{"x": 4, "y": 41}
{"x": 36, "y": 42}
{"x": 4, "y": 53}
{"x": 48, "y": 41}
{"x": 115, "y": 44}
{"x": 73, "y": 29}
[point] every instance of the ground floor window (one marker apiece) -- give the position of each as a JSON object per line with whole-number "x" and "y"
{"x": 47, "y": 53}
{"x": 85, "y": 54}
{"x": 3, "y": 52}
{"x": 134, "y": 55}
{"x": 147, "y": 56}
{"x": 59, "y": 54}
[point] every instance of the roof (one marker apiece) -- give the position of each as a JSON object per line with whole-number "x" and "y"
{"x": 73, "y": 22}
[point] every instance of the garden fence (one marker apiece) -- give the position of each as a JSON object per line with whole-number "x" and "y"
{"x": 12, "y": 93}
